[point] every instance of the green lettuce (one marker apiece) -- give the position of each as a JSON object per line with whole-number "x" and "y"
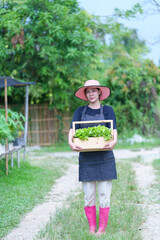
{"x": 97, "y": 131}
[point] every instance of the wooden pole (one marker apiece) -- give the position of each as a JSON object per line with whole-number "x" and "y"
{"x": 6, "y": 106}
{"x": 26, "y": 121}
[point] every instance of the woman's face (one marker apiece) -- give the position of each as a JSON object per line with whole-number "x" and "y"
{"x": 93, "y": 94}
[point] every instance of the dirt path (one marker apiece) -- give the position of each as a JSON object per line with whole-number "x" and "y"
{"x": 151, "y": 200}
{"x": 67, "y": 184}
{"x": 150, "y": 197}
{"x": 145, "y": 177}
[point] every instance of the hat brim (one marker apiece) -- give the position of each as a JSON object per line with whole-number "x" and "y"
{"x": 105, "y": 92}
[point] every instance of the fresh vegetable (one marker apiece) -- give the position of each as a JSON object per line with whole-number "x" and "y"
{"x": 97, "y": 131}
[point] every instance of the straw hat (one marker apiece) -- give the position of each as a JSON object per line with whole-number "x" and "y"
{"x": 105, "y": 91}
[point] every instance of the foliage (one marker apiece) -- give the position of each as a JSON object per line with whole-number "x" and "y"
{"x": 13, "y": 127}
{"x": 49, "y": 42}
{"x": 126, "y": 44}
{"x": 131, "y": 13}
{"x": 5, "y": 131}
{"x": 15, "y": 122}
{"x": 59, "y": 46}
{"x": 134, "y": 82}
{"x": 135, "y": 88}
{"x": 96, "y": 131}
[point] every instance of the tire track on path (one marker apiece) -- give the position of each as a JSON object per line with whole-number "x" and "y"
{"x": 145, "y": 177}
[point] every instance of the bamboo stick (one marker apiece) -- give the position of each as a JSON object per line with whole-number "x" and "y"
{"x": 6, "y": 106}
{"x": 26, "y": 123}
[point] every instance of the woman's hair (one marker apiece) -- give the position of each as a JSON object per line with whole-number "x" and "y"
{"x": 86, "y": 89}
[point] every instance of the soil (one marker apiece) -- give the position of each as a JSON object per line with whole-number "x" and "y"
{"x": 68, "y": 184}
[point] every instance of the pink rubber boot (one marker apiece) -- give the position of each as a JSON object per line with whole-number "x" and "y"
{"x": 91, "y": 216}
{"x": 103, "y": 220}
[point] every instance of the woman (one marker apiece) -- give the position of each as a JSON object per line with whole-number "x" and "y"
{"x": 95, "y": 167}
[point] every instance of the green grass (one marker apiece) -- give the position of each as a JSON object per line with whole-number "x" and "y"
{"x": 58, "y": 147}
{"x": 156, "y": 165}
{"x": 23, "y": 188}
{"x": 70, "y": 223}
{"x": 122, "y": 144}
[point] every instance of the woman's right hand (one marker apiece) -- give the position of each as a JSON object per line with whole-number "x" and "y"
{"x": 74, "y": 147}
{"x": 71, "y": 143}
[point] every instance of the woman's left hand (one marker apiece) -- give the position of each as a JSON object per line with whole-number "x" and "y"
{"x": 110, "y": 145}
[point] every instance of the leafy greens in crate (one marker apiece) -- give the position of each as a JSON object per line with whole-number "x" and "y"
{"x": 97, "y": 131}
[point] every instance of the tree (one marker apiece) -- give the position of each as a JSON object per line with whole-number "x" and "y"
{"x": 155, "y": 6}
{"x": 59, "y": 46}
{"x": 49, "y": 42}
{"x": 135, "y": 89}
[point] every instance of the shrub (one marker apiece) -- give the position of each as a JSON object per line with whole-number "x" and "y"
{"x": 135, "y": 88}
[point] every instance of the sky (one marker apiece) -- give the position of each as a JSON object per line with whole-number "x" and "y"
{"x": 147, "y": 24}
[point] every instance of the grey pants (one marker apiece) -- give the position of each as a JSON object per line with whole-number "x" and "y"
{"x": 104, "y": 193}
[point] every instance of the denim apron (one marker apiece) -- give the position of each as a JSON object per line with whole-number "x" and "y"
{"x": 96, "y": 166}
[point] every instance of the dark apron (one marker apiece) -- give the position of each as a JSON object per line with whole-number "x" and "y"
{"x": 96, "y": 166}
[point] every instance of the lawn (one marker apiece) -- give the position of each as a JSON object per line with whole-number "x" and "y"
{"x": 156, "y": 165}
{"x": 122, "y": 144}
{"x": 25, "y": 187}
